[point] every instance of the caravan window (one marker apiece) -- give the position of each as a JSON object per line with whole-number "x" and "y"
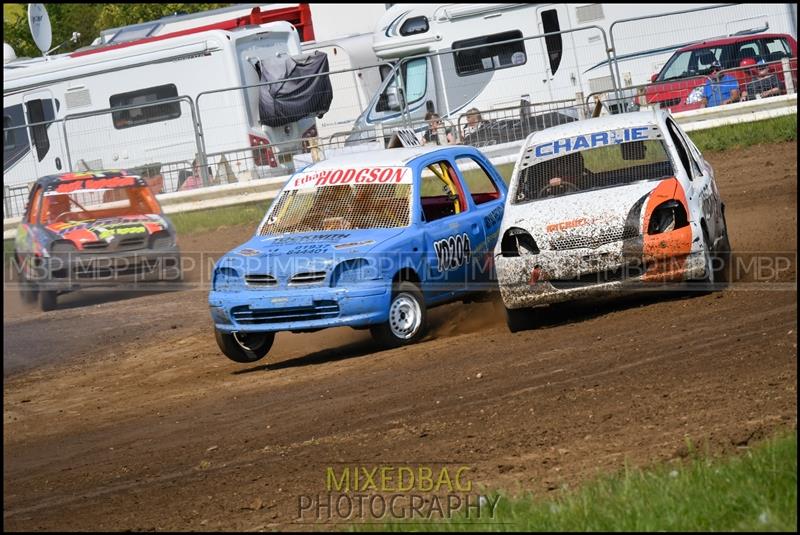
{"x": 415, "y": 78}
{"x": 146, "y": 114}
{"x": 40, "y": 111}
{"x": 15, "y": 136}
{"x": 555, "y": 47}
{"x": 414, "y": 25}
{"x": 485, "y": 54}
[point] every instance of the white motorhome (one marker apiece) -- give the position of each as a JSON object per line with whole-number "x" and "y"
{"x": 332, "y": 29}
{"x": 139, "y": 72}
{"x": 462, "y": 56}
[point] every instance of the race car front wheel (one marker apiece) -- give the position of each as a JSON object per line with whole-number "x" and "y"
{"x": 48, "y": 300}
{"x": 244, "y": 347}
{"x": 519, "y": 319}
{"x": 408, "y": 317}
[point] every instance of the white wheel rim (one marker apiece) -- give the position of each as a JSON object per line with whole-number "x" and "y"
{"x": 255, "y": 340}
{"x": 405, "y": 316}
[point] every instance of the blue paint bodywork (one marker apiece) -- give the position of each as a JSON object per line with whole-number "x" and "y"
{"x": 352, "y": 271}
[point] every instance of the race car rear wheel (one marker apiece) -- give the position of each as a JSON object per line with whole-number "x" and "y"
{"x": 519, "y": 319}
{"x": 244, "y": 347}
{"x": 48, "y": 299}
{"x": 408, "y": 317}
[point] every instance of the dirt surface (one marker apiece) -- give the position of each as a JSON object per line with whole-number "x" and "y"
{"x": 120, "y": 412}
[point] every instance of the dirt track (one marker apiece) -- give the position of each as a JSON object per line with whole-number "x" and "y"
{"x": 156, "y": 430}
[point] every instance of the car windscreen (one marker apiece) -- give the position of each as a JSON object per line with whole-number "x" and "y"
{"x": 613, "y": 164}
{"x": 696, "y": 62}
{"x": 97, "y": 203}
{"x": 342, "y": 198}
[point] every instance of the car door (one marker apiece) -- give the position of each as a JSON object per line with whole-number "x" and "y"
{"x": 451, "y": 228}
{"x": 486, "y": 193}
{"x": 703, "y": 190}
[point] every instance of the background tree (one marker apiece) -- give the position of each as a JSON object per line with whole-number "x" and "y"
{"x": 88, "y": 19}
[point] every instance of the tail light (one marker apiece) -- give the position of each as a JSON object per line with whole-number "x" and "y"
{"x": 262, "y": 153}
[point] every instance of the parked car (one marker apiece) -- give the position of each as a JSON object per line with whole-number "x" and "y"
{"x": 369, "y": 240}
{"x": 97, "y": 228}
{"x": 604, "y": 205}
{"x": 678, "y": 86}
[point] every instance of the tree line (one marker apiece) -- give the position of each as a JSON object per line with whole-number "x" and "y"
{"x": 87, "y": 19}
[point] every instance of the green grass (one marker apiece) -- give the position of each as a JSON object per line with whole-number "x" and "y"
{"x": 754, "y": 491}
{"x": 214, "y": 218}
{"x": 775, "y": 130}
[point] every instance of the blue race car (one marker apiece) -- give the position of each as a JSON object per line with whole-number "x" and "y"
{"x": 367, "y": 240}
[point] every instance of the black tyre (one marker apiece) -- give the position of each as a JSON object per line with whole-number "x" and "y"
{"x": 722, "y": 257}
{"x": 519, "y": 319}
{"x": 244, "y": 347}
{"x": 408, "y": 318}
{"x": 48, "y": 300}
{"x": 28, "y": 292}
{"x": 708, "y": 281}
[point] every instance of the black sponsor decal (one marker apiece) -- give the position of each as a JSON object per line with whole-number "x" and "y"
{"x": 493, "y": 218}
{"x": 288, "y": 240}
{"x": 452, "y": 252}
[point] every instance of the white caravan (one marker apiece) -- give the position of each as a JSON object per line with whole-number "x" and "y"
{"x": 481, "y": 66}
{"x": 140, "y": 72}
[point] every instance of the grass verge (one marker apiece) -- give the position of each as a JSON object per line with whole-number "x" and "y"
{"x": 755, "y": 491}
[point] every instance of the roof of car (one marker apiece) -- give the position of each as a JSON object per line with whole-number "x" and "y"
{"x": 50, "y": 181}
{"x": 598, "y": 124}
{"x": 381, "y": 158}
{"x": 730, "y": 40}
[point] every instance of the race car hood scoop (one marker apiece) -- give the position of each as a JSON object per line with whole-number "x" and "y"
{"x": 584, "y": 220}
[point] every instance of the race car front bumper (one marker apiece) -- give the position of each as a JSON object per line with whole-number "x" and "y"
{"x": 557, "y": 276}
{"x": 66, "y": 272}
{"x": 306, "y": 309}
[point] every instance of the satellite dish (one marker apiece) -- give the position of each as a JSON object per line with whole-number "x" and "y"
{"x": 40, "y": 27}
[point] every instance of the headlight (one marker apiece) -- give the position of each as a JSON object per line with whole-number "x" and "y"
{"x": 226, "y": 279}
{"x": 161, "y": 240}
{"x": 63, "y": 247}
{"x": 516, "y": 242}
{"x": 354, "y": 271}
{"x": 667, "y": 217}
{"x": 695, "y": 96}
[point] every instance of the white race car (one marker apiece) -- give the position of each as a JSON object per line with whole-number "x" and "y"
{"x": 604, "y": 205}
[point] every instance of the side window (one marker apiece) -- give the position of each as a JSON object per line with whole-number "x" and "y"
{"x": 776, "y": 49}
{"x": 747, "y": 50}
{"x": 33, "y": 216}
{"x": 490, "y": 53}
{"x": 687, "y": 159}
{"x": 441, "y": 194}
{"x": 480, "y": 185}
{"x": 555, "y": 46}
{"x": 148, "y": 114}
{"x": 40, "y": 111}
{"x": 415, "y": 79}
{"x": 414, "y": 25}
{"x": 15, "y": 135}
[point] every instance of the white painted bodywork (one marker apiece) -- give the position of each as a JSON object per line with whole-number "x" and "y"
{"x": 594, "y": 222}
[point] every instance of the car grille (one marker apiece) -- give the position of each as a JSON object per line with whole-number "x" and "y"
{"x": 308, "y": 278}
{"x": 589, "y": 279}
{"x": 95, "y": 245}
{"x": 593, "y": 242}
{"x": 318, "y": 311}
{"x": 131, "y": 243}
{"x": 260, "y": 280}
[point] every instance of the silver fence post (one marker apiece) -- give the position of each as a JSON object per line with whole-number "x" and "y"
{"x": 198, "y": 139}
{"x": 787, "y": 76}
{"x": 66, "y": 144}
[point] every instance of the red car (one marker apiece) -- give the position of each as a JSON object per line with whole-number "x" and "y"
{"x": 679, "y": 84}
